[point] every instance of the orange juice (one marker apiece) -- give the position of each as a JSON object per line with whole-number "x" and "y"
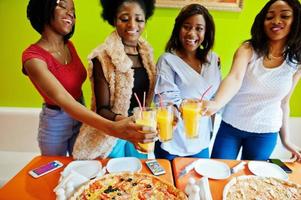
{"x": 191, "y": 115}
{"x": 165, "y": 119}
{"x": 147, "y": 118}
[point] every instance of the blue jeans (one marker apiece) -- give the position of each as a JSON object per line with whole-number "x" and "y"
{"x": 57, "y": 132}
{"x": 161, "y": 153}
{"x": 255, "y": 146}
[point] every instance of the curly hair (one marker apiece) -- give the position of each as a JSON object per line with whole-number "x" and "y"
{"x": 110, "y": 8}
{"x": 41, "y": 12}
{"x": 259, "y": 39}
{"x": 186, "y": 12}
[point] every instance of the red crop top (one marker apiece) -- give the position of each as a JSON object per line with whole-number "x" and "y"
{"x": 71, "y": 75}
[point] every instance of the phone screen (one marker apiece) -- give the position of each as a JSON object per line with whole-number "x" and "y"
{"x": 155, "y": 167}
{"x": 45, "y": 168}
{"x": 281, "y": 164}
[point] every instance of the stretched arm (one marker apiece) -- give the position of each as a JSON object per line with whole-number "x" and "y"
{"x": 284, "y": 130}
{"x": 102, "y": 93}
{"x": 39, "y": 74}
{"x": 232, "y": 83}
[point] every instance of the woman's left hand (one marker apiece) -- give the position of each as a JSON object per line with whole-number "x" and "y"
{"x": 296, "y": 151}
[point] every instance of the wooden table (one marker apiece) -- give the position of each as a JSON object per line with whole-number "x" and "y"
{"x": 217, "y": 186}
{"x": 25, "y": 187}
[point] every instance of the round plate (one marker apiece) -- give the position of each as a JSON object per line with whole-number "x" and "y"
{"x": 125, "y": 164}
{"x": 212, "y": 169}
{"x": 265, "y": 169}
{"x": 87, "y": 168}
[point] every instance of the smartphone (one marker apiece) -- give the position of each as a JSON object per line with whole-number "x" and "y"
{"x": 280, "y": 164}
{"x": 155, "y": 167}
{"x": 45, "y": 169}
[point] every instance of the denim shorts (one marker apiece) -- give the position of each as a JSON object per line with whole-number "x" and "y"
{"x": 57, "y": 132}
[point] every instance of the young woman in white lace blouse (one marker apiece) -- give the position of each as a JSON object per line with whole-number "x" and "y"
{"x": 264, "y": 73}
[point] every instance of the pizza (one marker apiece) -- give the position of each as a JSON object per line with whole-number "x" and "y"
{"x": 261, "y": 188}
{"x": 128, "y": 186}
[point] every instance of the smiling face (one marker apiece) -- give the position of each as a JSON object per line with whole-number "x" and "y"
{"x": 278, "y": 21}
{"x": 64, "y": 17}
{"x": 130, "y": 22}
{"x": 192, "y": 33}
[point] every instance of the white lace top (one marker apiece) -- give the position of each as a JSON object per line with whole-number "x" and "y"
{"x": 257, "y": 105}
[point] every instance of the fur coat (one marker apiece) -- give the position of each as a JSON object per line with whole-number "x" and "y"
{"x": 116, "y": 65}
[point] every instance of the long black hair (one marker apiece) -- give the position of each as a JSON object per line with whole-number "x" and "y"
{"x": 186, "y": 12}
{"x": 41, "y": 12}
{"x": 259, "y": 39}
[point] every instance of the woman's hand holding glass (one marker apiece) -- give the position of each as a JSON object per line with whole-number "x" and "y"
{"x": 128, "y": 130}
{"x": 209, "y": 108}
{"x": 147, "y": 118}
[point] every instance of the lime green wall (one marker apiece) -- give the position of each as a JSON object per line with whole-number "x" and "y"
{"x": 16, "y": 34}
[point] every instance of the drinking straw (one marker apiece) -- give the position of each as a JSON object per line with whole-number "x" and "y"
{"x": 160, "y": 100}
{"x": 139, "y": 103}
{"x": 144, "y": 100}
{"x": 205, "y": 92}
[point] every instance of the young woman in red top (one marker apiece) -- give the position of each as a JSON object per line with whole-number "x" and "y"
{"x": 56, "y": 71}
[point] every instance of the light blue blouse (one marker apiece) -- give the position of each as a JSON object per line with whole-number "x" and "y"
{"x": 177, "y": 81}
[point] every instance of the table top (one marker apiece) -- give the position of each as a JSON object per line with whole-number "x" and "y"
{"x": 23, "y": 186}
{"x": 217, "y": 186}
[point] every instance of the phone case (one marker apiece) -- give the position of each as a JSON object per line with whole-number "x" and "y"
{"x": 45, "y": 169}
{"x": 155, "y": 167}
{"x": 280, "y": 164}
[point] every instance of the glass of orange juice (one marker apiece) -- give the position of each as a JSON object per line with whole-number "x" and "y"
{"x": 191, "y": 109}
{"x": 165, "y": 117}
{"x": 148, "y": 119}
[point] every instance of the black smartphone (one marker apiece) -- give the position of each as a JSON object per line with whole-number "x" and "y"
{"x": 280, "y": 164}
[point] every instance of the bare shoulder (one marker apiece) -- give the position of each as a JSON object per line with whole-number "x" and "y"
{"x": 298, "y": 73}
{"x": 34, "y": 65}
{"x": 245, "y": 50}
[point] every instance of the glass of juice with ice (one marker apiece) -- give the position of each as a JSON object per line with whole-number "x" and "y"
{"x": 148, "y": 119}
{"x": 165, "y": 118}
{"x": 191, "y": 109}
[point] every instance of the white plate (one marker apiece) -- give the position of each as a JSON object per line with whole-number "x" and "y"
{"x": 265, "y": 169}
{"x": 212, "y": 169}
{"x": 87, "y": 168}
{"x": 125, "y": 164}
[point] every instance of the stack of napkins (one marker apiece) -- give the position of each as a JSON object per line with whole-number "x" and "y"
{"x": 75, "y": 174}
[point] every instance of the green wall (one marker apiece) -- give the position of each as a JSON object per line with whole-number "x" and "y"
{"x": 16, "y": 34}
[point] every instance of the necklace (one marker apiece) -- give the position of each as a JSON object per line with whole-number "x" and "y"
{"x": 59, "y": 52}
{"x": 271, "y": 57}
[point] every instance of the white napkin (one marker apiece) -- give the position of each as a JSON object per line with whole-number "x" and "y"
{"x": 205, "y": 192}
{"x": 68, "y": 184}
{"x": 74, "y": 175}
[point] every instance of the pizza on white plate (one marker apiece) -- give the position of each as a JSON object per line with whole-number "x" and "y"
{"x": 128, "y": 186}
{"x": 261, "y": 188}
